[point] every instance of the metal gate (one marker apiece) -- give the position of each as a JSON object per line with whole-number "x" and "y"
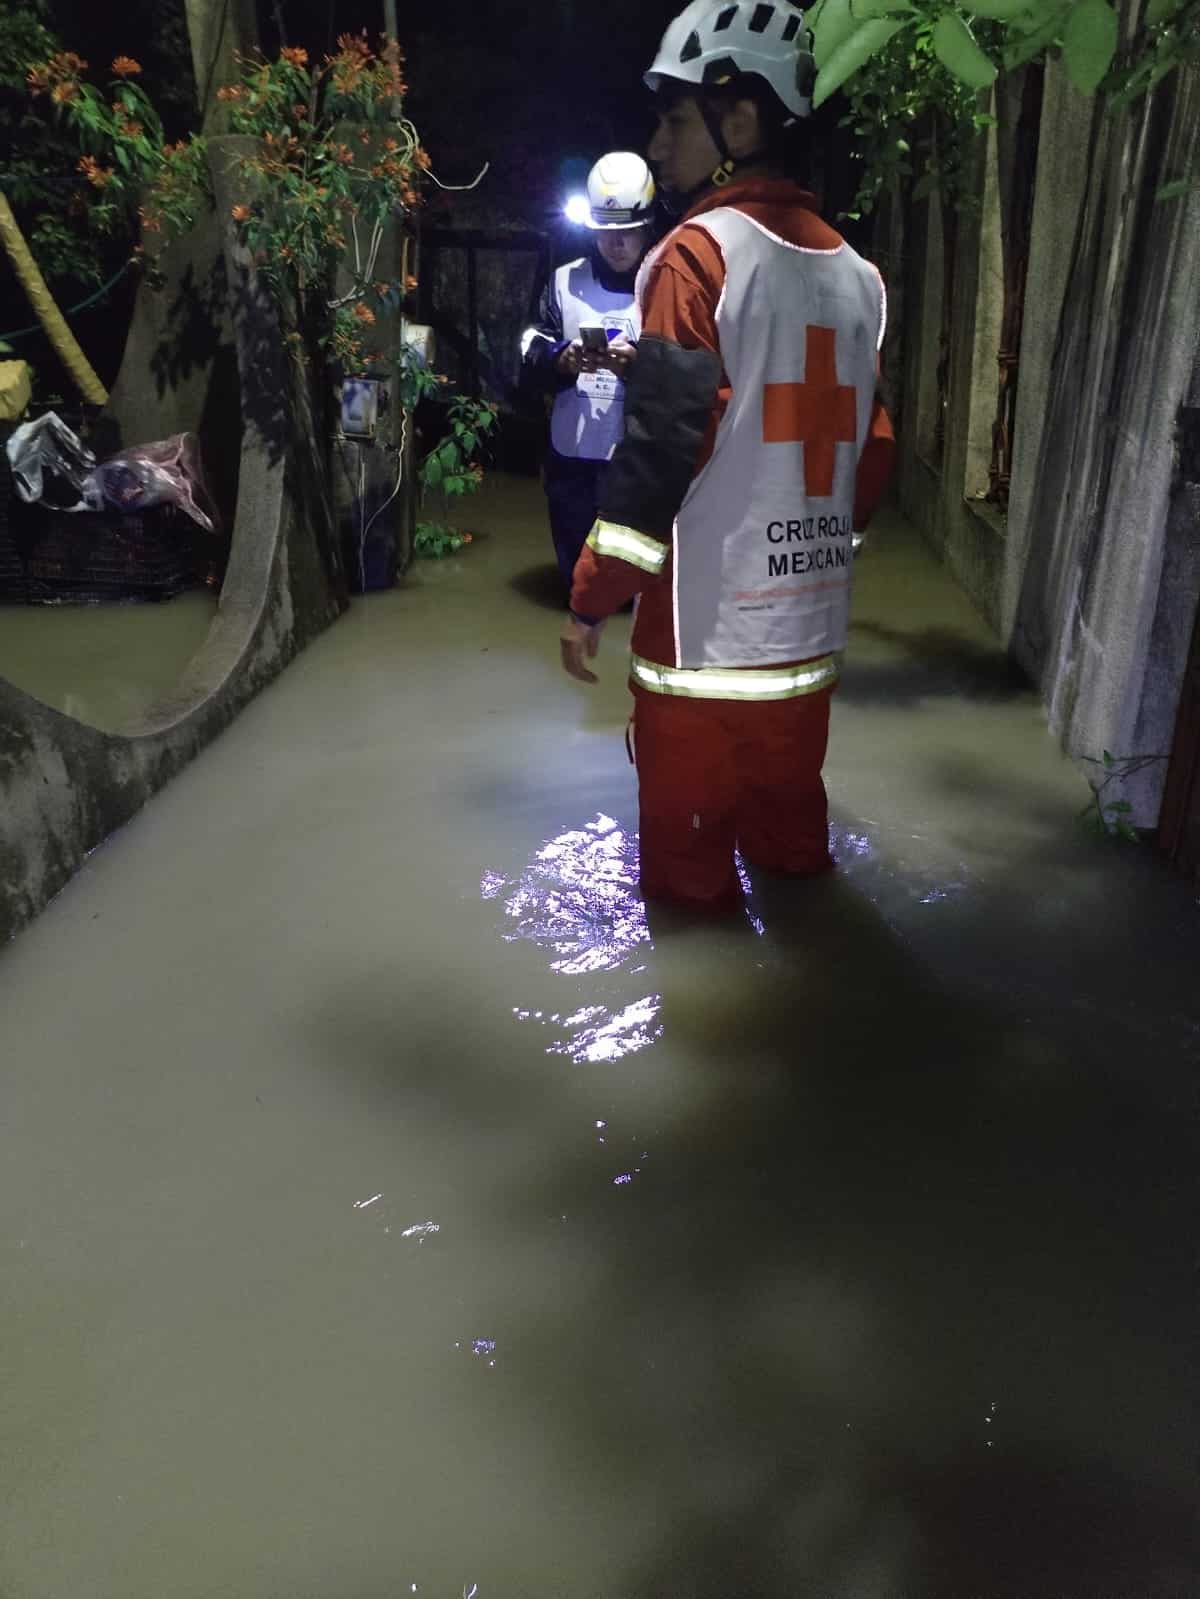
{"x": 478, "y": 290}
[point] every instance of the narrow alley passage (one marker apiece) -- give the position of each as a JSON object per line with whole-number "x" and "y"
{"x": 388, "y": 1209}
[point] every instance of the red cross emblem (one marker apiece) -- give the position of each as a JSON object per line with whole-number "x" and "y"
{"x": 819, "y": 413}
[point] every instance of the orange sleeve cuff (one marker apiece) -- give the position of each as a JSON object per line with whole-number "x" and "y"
{"x": 603, "y": 583}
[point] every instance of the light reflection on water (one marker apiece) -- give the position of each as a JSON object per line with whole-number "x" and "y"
{"x": 844, "y": 843}
{"x": 892, "y": 876}
{"x": 622, "y": 1033}
{"x": 578, "y": 898}
{"x": 598, "y": 1033}
{"x": 943, "y": 891}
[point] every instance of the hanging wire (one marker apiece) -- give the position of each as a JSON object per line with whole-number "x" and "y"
{"x": 399, "y": 480}
{"x": 461, "y": 188}
{"x": 84, "y": 305}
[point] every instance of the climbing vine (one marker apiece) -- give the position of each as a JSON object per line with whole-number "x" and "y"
{"x": 904, "y": 87}
{"x": 1110, "y": 816}
{"x": 332, "y": 160}
{"x": 898, "y": 59}
{"x": 128, "y": 168}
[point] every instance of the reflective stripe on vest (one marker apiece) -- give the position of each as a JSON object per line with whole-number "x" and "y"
{"x": 730, "y": 683}
{"x": 627, "y": 544}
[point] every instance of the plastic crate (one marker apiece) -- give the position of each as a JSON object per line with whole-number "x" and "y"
{"x": 87, "y": 558}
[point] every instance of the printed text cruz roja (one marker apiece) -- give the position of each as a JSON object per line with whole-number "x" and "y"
{"x": 804, "y": 529}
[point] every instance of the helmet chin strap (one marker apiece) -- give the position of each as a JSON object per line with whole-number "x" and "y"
{"x": 677, "y": 201}
{"x": 721, "y": 174}
{"x": 728, "y": 165}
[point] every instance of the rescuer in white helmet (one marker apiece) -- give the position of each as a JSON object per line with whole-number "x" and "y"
{"x": 595, "y": 292}
{"x": 754, "y": 447}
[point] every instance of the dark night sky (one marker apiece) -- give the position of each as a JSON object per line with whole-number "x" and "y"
{"x": 538, "y": 90}
{"x": 525, "y": 86}
{"x": 529, "y": 87}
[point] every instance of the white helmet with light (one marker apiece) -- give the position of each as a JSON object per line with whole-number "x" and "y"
{"x": 620, "y": 192}
{"x": 713, "y": 42}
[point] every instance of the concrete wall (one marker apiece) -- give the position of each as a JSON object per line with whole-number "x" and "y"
{"x": 64, "y": 786}
{"x": 1108, "y": 591}
{"x": 1057, "y": 201}
{"x": 941, "y": 497}
{"x": 1091, "y": 578}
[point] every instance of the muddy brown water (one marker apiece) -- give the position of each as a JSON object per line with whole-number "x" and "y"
{"x": 102, "y": 664}
{"x": 388, "y": 1208}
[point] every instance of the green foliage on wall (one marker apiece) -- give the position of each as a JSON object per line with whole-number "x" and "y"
{"x": 901, "y": 61}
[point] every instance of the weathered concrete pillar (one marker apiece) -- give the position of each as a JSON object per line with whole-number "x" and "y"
{"x": 219, "y": 31}
{"x": 65, "y": 786}
{"x": 1094, "y": 594}
{"x": 1057, "y": 200}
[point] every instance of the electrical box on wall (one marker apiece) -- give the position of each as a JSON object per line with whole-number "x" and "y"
{"x": 361, "y": 407}
{"x": 419, "y": 338}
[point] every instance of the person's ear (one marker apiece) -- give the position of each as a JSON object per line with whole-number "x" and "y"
{"x": 742, "y": 129}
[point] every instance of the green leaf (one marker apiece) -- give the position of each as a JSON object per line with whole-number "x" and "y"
{"x": 1128, "y": 833}
{"x": 1039, "y": 34}
{"x": 865, "y": 10}
{"x": 1175, "y": 190}
{"x": 853, "y": 52}
{"x": 1107, "y": 758}
{"x": 1159, "y": 10}
{"x": 955, "y": 47}
{"x": 833, "y": 25}
{"x": 1089, "y": 43}
{"x": 999, "y": 10}
{"x": 431, "y": 471}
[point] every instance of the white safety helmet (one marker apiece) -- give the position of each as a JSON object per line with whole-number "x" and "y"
{"x": 620, "y": 192}
{"x": 714, "y": 42}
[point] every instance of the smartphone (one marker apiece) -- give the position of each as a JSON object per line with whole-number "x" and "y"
{"x": 594, "y": 339}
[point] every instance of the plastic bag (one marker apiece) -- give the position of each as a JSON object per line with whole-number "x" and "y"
{"x": 50, "y": 463}
{"x": 165, "y": 473}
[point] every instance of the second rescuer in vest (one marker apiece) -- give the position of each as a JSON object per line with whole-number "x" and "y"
{"x": 589, "y": 389}
{"x": 754, "y": 447}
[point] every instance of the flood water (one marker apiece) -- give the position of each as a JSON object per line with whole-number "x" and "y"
{"x": 105, "y": 665}
{"x": 389, "y": 1208}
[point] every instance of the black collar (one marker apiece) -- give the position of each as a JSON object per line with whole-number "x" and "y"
{"x": 611, "y": 282}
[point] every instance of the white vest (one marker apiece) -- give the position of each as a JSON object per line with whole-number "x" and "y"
{"x": 588, "y": 418}
{"x": 762, "y": 543}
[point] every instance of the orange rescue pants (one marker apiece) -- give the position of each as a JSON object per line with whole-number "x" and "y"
{"x": 715, "y": 775}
